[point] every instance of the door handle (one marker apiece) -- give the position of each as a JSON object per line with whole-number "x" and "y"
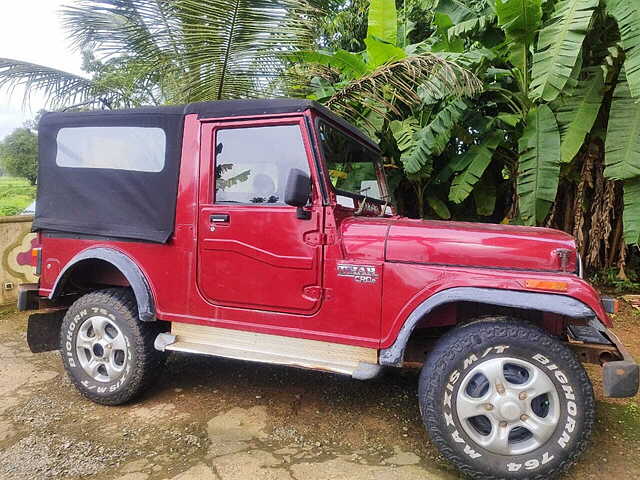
{"x": 219, "y": 218}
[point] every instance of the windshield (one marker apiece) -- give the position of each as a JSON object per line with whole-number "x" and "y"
{"x": 354, "y": 168}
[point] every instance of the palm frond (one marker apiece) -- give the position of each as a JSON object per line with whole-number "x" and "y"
{"x": 622, "y": 148}
{"x": 395, "y": 85}
{"x": 559, "y": 45}
{"x": 418, "y": 144}
{"x": 627, "y": 14}
{"x": 631, "y": 215}
{"x": 138, "y": 27}
{"x": 434, "y": 137}
{"x": 520, "y": 21}
{"x": 479, "y": 158}
{"x": 218, "y": 48}
{"x": 577, "y": 113}
{"x": 539, "y": 165}
{"x": 60, "y": 88}
{"x": 472, "y": 26}
{"x": 235, "y": 46}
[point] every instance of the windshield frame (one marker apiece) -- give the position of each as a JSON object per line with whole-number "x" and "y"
{"x": 378, "y": 165}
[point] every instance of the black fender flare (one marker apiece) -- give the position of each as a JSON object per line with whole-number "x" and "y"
{"x": 131, "y": 271}
{"x": 544, "y": 302}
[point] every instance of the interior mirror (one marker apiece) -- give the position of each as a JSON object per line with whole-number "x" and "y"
{"x": 298, "y": 191}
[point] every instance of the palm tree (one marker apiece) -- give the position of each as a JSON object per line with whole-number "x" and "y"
{"x": 172, "y": 50}
{"x": 177, "y": 51}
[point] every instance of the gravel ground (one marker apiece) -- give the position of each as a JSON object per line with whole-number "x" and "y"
{"x": 211, "y": 418}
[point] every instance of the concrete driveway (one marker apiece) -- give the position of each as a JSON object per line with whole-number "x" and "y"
{"x": 211, "y": 418}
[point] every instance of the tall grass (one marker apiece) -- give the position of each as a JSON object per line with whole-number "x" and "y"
{"x": 15, "y": 195}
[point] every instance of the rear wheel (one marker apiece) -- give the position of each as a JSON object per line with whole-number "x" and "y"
{"x": 107, "y": 351}
{"x": 503, "y": 399}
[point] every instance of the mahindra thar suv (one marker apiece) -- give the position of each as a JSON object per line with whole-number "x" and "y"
{"x": 264, "y": 230}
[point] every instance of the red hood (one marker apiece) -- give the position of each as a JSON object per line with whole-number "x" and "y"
{"x": 463, "y": 244}
{"x": 479, "y": 245}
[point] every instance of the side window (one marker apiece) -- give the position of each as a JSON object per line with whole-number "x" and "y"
{"x": 137, "y": 149}
{"x": 252, "y": 164}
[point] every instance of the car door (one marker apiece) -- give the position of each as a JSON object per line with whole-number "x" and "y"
{"x": 253, "y": 250}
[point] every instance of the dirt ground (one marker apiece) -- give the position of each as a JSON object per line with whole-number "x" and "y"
{"x": 211, "y": 418}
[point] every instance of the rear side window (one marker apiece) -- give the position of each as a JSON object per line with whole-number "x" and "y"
{"x": 138, "y": 149}
{"x": 252, "y": 164}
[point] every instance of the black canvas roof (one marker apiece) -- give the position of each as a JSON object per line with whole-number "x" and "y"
{"x": 227, "y": 108}
{"x": 79, "y": 193}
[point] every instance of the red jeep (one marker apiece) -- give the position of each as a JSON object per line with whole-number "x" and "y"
{"x": 263, "y": 230}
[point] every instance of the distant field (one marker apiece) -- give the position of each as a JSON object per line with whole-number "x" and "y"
{"x": 15, "y": 195}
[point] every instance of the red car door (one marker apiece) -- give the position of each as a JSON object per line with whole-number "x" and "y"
{"x": 253, "y": 250}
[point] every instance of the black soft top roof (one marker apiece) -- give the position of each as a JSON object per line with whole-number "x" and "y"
{"x": 95, "y": 181}
{"x": 221, "y": 109}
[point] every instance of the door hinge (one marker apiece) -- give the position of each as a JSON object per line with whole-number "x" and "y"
{"x": 317, "y": 238}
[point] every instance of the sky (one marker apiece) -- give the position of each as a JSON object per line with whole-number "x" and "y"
{"x": 31, "y": 30}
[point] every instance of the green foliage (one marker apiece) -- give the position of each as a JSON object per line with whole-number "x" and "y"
{"x": 383, "y": 21}
{"x": 472, "y": 26}
{"x": 439, "y": 207}
{"x": 19, "y": 154}
{"x": 627, "y": 14}
{"x": 623, "y": 135}
{"x": 484, "y": 195}
{"x": 539, "y": 167}
{"x": 349, "y": 64}
{"x": 577, "y": 113}
{"x": 549, "y": 70}
{"x": 379, "y": 53}
{"x": 478, "y": 159}
{"x": 429, "y": 140}
{"x": 609, "y": 279}
{"x": 455, "y": 10}
{"x": 520, "y": 20}
{"x": 342, "y": 25}
{"x": 632, "y": 211}
{"x": 178, "y": 51}
{"x": 15, "y": 195}
{"x": 559, "y": 46}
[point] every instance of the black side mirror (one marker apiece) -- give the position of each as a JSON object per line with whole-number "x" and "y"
{"x": 298, "y": 191}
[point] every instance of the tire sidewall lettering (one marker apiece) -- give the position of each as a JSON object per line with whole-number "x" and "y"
{"x": 70, "y": 354}
{"x": 562, "y": 438}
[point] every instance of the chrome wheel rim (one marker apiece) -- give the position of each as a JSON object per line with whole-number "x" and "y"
{"x": 101, "y": 349}
{"x": 508, "y": 406}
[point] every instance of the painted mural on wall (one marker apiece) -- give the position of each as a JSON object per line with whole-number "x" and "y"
{"x": 16, "y": 242}
{"x": 17, "y": 258}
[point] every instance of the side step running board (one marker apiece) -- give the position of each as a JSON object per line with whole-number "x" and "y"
{"x": 358, "y": 362}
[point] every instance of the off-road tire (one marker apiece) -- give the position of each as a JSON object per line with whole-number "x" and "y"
{"x": 445, "y": 369}
{"x": 143, "y": 362}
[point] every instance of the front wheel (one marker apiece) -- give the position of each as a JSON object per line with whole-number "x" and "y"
{"x": 503, "y": 399}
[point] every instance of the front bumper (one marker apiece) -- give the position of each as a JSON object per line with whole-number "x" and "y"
{"x": 594, "y": 343}
{"x": 620, "y": 378}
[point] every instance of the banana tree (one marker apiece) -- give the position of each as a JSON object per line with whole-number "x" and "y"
{"x": 563, "y": 74}
{"x": 560, "y": 99}
{"x": 391, "y": 89}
